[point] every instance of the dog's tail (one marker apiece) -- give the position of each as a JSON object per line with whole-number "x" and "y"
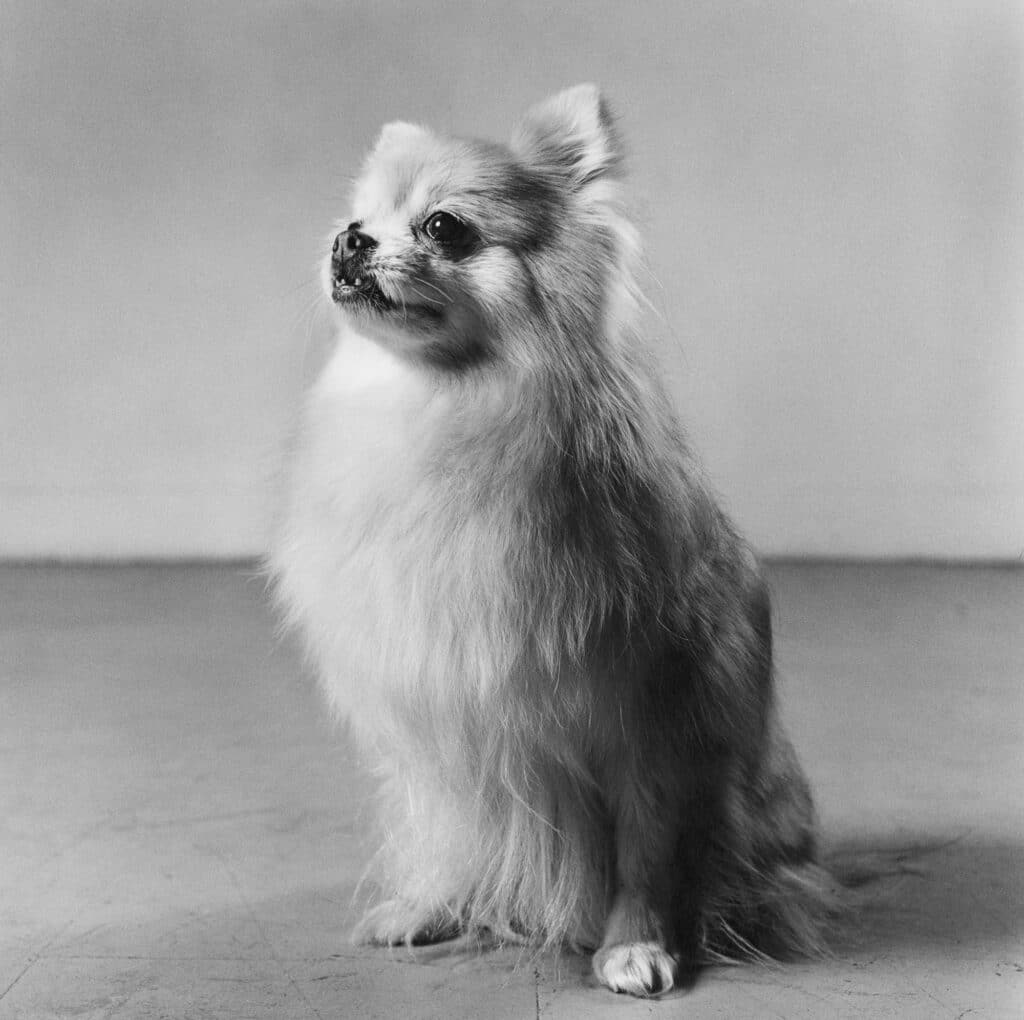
{"x": 771, "y": 914}
{"x": 799, "y": 909}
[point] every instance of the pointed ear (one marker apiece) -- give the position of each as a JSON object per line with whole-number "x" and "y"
{"x": 571, "y": 133}
{"x": 399, "y": 134}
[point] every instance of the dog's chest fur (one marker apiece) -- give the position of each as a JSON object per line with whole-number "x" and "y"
{"x": 391, "y": 564}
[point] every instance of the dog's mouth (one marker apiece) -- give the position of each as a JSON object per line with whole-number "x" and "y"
{"x": 360, "y": 290}
{"x": 357, "y": 286}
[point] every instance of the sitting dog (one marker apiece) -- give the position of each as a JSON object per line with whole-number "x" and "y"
{"x": 547, "y": 637}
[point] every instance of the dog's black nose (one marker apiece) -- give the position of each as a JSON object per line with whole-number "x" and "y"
{"x": 350, "y": 243}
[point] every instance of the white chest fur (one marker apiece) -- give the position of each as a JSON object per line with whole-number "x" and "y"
{"x": 393, "y": 579}
{"x": 366, "y": 423}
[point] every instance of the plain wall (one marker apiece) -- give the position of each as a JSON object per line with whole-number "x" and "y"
{"x": 832, "y": 196}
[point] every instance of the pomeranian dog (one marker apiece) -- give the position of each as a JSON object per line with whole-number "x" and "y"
{"x": 546, "y": 635}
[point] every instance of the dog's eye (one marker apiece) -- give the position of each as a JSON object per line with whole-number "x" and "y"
{"x": 449, "y": 231}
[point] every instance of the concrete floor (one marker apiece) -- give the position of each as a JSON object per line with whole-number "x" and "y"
{"x": 180, "y": 828}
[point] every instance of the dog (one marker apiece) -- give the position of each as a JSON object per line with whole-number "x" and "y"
{"x": 548, "y": 639}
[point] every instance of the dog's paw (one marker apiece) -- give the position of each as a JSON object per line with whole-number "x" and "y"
{"x": 637, "y": 968}
{"x": 397, "y": 923}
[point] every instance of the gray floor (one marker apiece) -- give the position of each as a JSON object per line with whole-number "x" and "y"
{"x": 180, "y": 828}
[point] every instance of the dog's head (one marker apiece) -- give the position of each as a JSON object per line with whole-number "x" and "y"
{"x": 461, "y": 252}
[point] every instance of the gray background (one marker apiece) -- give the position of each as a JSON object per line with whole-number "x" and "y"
{"x": 831, "y": 195}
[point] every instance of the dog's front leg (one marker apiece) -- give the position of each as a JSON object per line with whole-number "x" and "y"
{"x": 664, "y": 819}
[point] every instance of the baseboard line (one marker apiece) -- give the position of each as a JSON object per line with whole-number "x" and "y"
{"x": 254, "y": 563}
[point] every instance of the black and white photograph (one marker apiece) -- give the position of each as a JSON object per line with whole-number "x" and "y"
{"x": 511, "y": 510}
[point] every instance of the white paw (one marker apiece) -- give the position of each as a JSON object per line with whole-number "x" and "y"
{"x": 396, "y": 923}
{"x": 637, "y": 968}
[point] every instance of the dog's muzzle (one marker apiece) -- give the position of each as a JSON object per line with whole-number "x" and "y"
{"x": 349, "y": 258}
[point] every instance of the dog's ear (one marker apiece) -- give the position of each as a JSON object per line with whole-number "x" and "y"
{"x": 571, "y": 134}
{"x": 399, "y": 134}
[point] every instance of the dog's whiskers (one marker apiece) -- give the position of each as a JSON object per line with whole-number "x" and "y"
{"x": 426, "y": 283}
{"x": 426, "y": 298}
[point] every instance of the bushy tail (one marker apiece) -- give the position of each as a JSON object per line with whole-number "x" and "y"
{"x": 798, "y": 910}
{"x": 774, "y": 914}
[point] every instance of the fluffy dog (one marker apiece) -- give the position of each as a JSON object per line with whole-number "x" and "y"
{"x": 546, "y": 636}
